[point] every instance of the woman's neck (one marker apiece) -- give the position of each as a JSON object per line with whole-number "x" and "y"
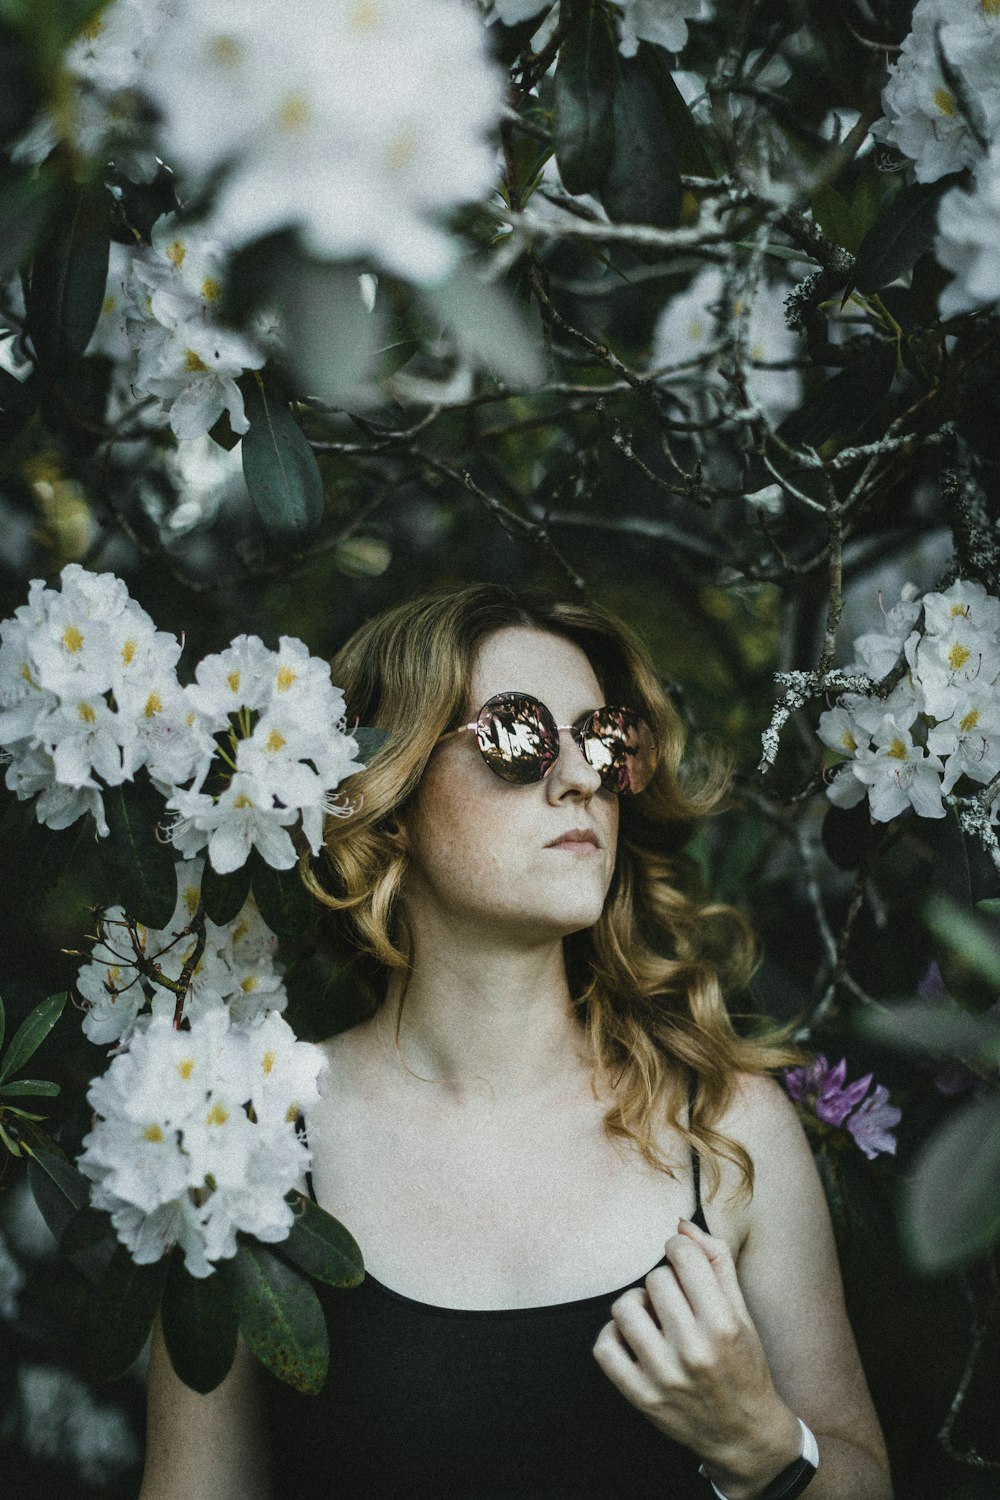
{"x": 488, "y": 1021}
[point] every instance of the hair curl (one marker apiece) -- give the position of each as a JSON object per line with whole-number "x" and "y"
{"x": 649, "y": 980}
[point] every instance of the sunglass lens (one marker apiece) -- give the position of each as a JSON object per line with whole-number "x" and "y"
{"x": 620, "y": 746}
{"x": 518, "y": 737}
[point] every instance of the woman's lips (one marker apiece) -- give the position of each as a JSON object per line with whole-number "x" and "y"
{"x": 576, "y": 841}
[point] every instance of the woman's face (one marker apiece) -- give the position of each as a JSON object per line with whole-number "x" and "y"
{"x": 484, "y": 851}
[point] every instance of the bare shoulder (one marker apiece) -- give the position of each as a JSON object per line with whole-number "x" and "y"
{"x": 760, "y": 1118}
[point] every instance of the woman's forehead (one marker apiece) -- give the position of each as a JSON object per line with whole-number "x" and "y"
{"x": 524, "y": 659}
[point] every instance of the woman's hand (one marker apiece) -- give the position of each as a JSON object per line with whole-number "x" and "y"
{"x": 686, "y": 1353}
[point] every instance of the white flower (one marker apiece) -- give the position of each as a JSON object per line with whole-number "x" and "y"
{"x": 660, "y": 21}
{"x": 899, "y": 774}
{"x": 923, "y": 116}
{"x": 231, "y": 825}
{"x": 693, "y": 325}
{"x": 967, "y": 601}
{"x": 969, "y": 738}
{"x": 228, "y": 681}
{"x": 331, "y": 121}
{"x": 196, "y": 1136}
{"x": 968, "y": 228}
{"x": 181, "y": 353}
{"x": 108, "y": 61}
{"x": 842, "y": 732}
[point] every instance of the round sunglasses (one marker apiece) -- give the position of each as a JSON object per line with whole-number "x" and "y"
{"x": 519, "y": 741}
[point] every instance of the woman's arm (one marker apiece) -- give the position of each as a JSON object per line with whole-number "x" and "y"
{"x": 724, "y": 1358}
{"x": 204, "y": 1447}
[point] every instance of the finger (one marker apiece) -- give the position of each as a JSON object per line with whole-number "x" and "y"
{"x": 635, "y": 1324}
{"x": 670, "y": 1303}
{"x": 615, "y": 1358}
{"x": 698, "y": 1281}
{"x": 720, "y": 1257}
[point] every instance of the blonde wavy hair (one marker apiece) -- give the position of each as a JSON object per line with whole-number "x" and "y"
{"x": 649, "y": 980}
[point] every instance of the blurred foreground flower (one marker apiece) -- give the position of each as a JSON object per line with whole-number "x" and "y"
{"x": 868, "y": 1118}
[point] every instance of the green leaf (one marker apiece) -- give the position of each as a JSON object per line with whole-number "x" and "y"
{"x": 18, "y": 399}
{"x": 90, "y": 1243}
{"x": 320, "y": 1245}
{"x": 3, "y": 1021}
{"x": 939, "y": 1027}
{"x": 689, "y": 145}
{"x": 584, "y": 100}
{"x": 951, "y": 1206}
{"x": 120, "y": 1312}
{"x": 280, "y": 1318}
{"x": 970, "y": 938}
{"x": 199, "y": 1325}
{"x": 26, "y": 204}
{"x": 69, "y": 277}
{"x": 31, "y": 1034}
{"x": 283, "y": 900}
{"x": 59, "y": 1189}
{"x": 904, "y": 230}
{"x": 642, "y": 184}
{"x": 489, "y": 327}
{"x": 139, "y": 866}
{"x": 833, "y": 215}
{"x": 840, "y": 409}
{"x": 279, "y": 466}
{"x": 223, "y": 896}
{"x": 370, "y": 741}
{"x": 24, "y": 1086}
{"x": 40, "y": 855}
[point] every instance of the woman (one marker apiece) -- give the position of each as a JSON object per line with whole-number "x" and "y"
{"x": 548, "y": 1098}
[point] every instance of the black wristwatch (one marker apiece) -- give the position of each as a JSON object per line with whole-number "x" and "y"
{"x": 794, "y": 1479}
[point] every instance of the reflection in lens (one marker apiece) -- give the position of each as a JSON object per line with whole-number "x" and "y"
{"x": 518, "y": 737}
{"x": 620, "y": 746}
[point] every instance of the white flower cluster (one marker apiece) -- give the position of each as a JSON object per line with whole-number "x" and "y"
{"x": 661, "y": 21}
{"x": 944, "y": 131}
{"x": 330, "y": 119}
{"x": 694, "y": 325}
{"x": 89, "y": 696}
{"x": 196, "y": 1136}
{"x": 159, "y": 316}
{"x": 235, "y": 971}
{"x": 940, "y": 723}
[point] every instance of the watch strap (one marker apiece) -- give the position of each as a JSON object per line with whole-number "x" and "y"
{"x": 794, "y": 1479}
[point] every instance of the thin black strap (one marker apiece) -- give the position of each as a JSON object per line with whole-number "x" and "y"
{"x": 698, "y": 1217}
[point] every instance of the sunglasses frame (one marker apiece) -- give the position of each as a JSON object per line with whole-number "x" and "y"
{"x": 577, "y": 730}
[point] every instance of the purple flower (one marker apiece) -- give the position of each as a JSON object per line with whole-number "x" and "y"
{"x": 871, "y": 1123}
{"x": 835, "y": 1101}
{"x": 832, "y": 1098}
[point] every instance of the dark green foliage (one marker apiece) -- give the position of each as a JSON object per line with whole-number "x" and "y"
{"x": 138, "y": 864}
{"x": 199, "y": 1324}
{"x": 279, "y": 466}
{"x": 280, "y": 1318}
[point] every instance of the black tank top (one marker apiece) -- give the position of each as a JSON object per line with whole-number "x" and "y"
{"x": 466, "y": 1404}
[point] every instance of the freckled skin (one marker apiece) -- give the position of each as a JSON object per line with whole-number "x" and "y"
{"x": 477, "y": 843}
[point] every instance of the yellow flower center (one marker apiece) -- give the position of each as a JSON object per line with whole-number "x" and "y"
{"x": 87, "y": 713}
{"x": 248, "y": 985}
{"x": 944, "y": 101}
{"x": 848, "y": 741}
{"x": 186, "y": 1067}
{"x": 191, "y": 898}
{"x": 294, "y": 113}
{"x": 194, "y": 362}
{"x": 969, "y": 720}
{"x": 234, "y": 682}
{"x": 286, "y": 676}
{"x": 128, "y": 652}
{"x": 154, "y": 705}
{"x": 897, "y": 750}
{"x": 109, "y": 304}
{"x": 240, "y": 931}
{"x": 366, "y": 16}
{"x": 153, "y": 1133}
{"x": 217, "y": 1115}
{"x": 990, "y": 7}
{"x": 175, "y": 253}
{"x": 211, "y": 289}
{"x": 402, "y": 151}
{"x": 276, "y": 741}
{"x": 242, "y": 800}
{"x": 268, "y": 1061}
{"x": 72, "y": 639}
{"x": 958, "y": 656}
{"x": 961, "y": 609}
{"x": 225, "y": 50}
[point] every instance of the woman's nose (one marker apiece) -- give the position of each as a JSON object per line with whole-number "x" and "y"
{"x": 572, "y": 774}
